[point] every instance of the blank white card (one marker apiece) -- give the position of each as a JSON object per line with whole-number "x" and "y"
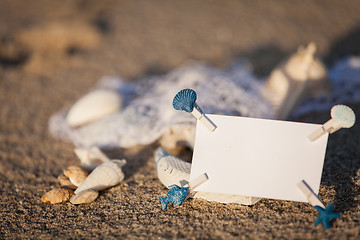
{"x": 258, "y": 157}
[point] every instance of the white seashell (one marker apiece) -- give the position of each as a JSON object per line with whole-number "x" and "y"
{"x": 104, "y": 176}
{"x": 93, "y": 106}
{"x": 91, "y": 158}
{"x": 290, "y": 82}
{"x": 172, "y": 170}
{"x": 57, "y": 195}
{"x": 76, "y": 175}
{"x": 178, "y": 136}
{"x": 86, "y": 196}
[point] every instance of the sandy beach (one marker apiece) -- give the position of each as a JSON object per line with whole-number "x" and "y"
{"x": 53, "y": 52}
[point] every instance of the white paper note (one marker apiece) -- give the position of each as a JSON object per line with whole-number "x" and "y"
{"x": 258, "y": 157}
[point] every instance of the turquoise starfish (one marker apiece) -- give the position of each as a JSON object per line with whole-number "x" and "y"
{"x": 326, "y": 215}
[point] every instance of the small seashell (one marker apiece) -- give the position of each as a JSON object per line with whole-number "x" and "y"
{"x": 86, "y": 196}
{"x": 178, "y": 135}
{"x": 76, "y": 175}
{"x": 300, "y": 75}
{"x": 91, "y": 158}
{"x": 66, "y": 183}
{"x": 185, "y": 100}
{"x": 174, "y": 171}
{"x": 170, "y": 169}
{"x": 104, "y": 176}
{"x": 93, "y": 106}
{"x": 57, "y": 195}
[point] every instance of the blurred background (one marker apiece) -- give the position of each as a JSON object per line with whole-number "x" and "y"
{"x": 132, "y": 38}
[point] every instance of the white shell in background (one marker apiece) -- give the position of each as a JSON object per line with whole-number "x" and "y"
{"x": 90, "y": 158}
{"x": 178, "y": 136}
{"x": 294, "y": 79}
{"x": 93, "y": 106}
{"x": 104, "y": 176}
{"x": 172, "y": 170}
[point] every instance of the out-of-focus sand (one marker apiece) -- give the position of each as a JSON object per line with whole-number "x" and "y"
{"x": 52, "y": 52}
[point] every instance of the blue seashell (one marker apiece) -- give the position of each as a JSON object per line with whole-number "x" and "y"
{"x": 185, "y": 100}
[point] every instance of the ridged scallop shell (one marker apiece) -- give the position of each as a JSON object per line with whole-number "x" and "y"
{"x": 343, "y": 115}
{"x": 57, "y": 195}
{"x": 65, "y": 182}
{"x": 172, "y": 170}
{"x": 90, "y": 158}
{"x": 93, "y": 106}
{"x": 76, "y": 175}
{"x": 104, "y": 176}
{"x": 185, "y": 100}
{"x": 86, "y": 196}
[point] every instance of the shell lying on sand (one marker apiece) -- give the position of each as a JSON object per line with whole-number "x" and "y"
{"x": 86, "y": 196}
{"x": 178, "y": 136}
{"x": 104, "y": 176}
{"x": 93, "y": 106}
{"x": 57, "y": 195}
{"x": 172, "y": 170}
{"x": 65, "y": 182}
{"x": 76, "y": 175}
{"x": 90, "y": 158}
{"x": 296, "y": 78}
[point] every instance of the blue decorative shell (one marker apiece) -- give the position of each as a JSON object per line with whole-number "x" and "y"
{"x": 185, "y": 100}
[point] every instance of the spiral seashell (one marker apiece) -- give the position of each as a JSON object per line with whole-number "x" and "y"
{"x": 76, "y": 175}
{"x": 86, "y": 196}
{"x": 93, "y": 106}
{"x": 293, "y": 80}
{"x": 90, "y": 158}
{"x": 176, "y": 136}
{"x": 66, "y": 183}
{"x": 174, "y": 171}
{"x": 104, "y": 176}
{"x": 57, "y": 195}
{"x": 170, "y": 169}
{"x": 185, "y": 100}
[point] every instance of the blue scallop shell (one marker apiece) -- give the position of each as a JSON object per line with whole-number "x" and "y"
{"x": 185, "y": 100}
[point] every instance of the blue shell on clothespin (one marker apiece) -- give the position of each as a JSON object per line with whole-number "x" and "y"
{"x": 185, "y": 100}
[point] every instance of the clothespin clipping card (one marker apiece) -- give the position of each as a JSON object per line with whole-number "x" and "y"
{"x": 258, "y": 157}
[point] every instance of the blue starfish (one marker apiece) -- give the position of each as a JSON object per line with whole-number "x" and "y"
{"x": 326, "y": 215}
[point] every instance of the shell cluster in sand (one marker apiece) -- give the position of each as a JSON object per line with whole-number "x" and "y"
{"x": 78, "y": 186}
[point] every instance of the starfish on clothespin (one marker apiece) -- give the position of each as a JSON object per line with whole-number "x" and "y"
{"x": 326, "y": 215}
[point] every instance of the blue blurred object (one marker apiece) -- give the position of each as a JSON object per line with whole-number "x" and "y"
{"x": 326, "y": 215}
{"x": 176, "y": 196}
{"x": 185, "y": 100}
